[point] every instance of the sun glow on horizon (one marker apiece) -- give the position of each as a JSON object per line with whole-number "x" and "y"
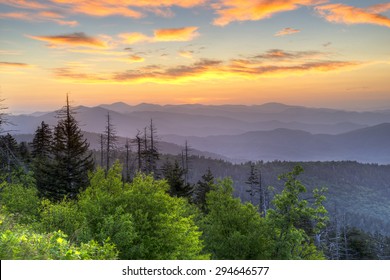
{"x": 308, "y": 52}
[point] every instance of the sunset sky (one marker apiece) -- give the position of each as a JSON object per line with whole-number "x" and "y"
{"x": 308, "y": 52}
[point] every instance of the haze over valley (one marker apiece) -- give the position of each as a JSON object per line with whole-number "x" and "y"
{"x": 239, "y": 133}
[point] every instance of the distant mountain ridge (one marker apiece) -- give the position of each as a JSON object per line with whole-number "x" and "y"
{"x": 205, "y": 120}
{"x": 239, "y": 132}
{"x": 368, "y": 145}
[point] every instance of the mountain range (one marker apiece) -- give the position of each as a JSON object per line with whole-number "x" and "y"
{"x": 271, "y": 131}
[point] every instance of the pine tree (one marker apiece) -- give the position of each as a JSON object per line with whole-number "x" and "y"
{"x": 42, "y": 141}
{"x": 41, "y": 152}
{"x": 72, "y": 159}
{"x": 202, "y": 188}
{"x": 173, "y": 173}
{"x": 252, "y": 182}
{"x": 185, "y": 161}
{"x": 9, "y": 155}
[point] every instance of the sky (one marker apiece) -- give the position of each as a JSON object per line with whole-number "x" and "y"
{"x": 317, "y": 53}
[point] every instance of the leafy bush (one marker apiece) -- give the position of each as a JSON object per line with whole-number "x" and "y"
{"x": 20, "y": 200}
{"x": 21, "y": 242}
{"x": 64, "y": 216}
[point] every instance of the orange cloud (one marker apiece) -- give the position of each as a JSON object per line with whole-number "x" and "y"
{"x": 42, "y": 16}
{"x": 78, "y": 39}
{"x": 57, "y": 18}
{"x": 16, "y": 15}
{"x": 176, "y": 34}
{"x": 186, "y": 54}
{"x": 99, "y": 51}
{"x": 50, "y": 14}
{"x": 14, "y": 64}
{"x": 36, "y": 5}
{"x": 102, "y": 8}
{"x": 287, "y": 31}
{"x": 136, "y": 58}
{"x": 134, "y": 38}
{"x": 161, "y": 35}
{"x": 237, "y": 10}
{"x": 71, "y": 23}
{"x": 379, "y": 8}
{"x": 126, "y": 8}
{"x": 281, "y": 55}
{"x": 207, "y": 69}
{"x": 69, "y": 74}
{"x": 341, "y": 13}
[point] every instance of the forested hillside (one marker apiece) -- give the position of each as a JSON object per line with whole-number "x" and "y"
{"x": 360, "y": 191}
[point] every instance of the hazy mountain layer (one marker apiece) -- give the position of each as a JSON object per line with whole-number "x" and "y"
{"x": 259, "y": 132}
{"x": 363, "y": 145}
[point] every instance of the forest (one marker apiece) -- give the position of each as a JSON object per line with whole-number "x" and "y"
{"x": 60, "y": 199}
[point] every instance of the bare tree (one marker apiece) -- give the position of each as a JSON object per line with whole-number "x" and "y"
{"x": 101, "y": 150}
{"x": 110, "y": 140}
{"x": 138, "y": 142}
{"x": 186, "y": 161}
{"x": 128, "y": 150}
{"x": 3, "y": 115}
{"x": 153, "y": 153}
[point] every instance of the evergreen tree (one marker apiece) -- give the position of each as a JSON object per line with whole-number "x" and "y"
{"x": 202, "y": 188}
{"x": 41, "y": 152}
{"x": 72, "y": 159}
{"x": 42, "y": 141}
{"x": 9, "y": 155}
{"x": 24, "y": 152}
{"x": 173, "y": 173}
{"x": 185, "y": 161}
{"x": 252, "y": 182}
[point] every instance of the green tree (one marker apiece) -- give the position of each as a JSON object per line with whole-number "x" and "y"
{"x": 174, "y": 175}
{"x": 164, "y": 227}
{"x": 41, "y": 144}
{"x": 202, "y": 188}
{"x": 294, "y": 222}
{"x": 9, "y": 156}
{"x": 140, "y": 218}
{"x": 41, "y": 153}
{"x": 71, "y": 158}
{"x": 232, "y": 230}
{"x": 253, "y": 182}
{"x": 102, "y": 206}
